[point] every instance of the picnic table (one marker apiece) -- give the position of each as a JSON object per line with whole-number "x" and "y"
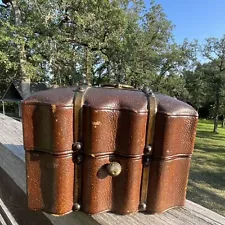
{"x": 13, "y": 199}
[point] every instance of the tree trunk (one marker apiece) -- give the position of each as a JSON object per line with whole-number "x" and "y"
{"x": 109, "y": 70}
{"x": 25, "y": 79}
{"x": 217, "y": 106}
{"x": 223, "y": 122}
{"x": 215, "y": 124}
{"x": 119, "y": 74}
{"x": 88, "y": 66}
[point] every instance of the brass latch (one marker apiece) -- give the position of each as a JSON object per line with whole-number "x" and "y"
{"x": 77, "y": 146}
{"x": 152, "y": 109}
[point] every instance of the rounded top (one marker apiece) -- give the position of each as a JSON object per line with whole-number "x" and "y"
{"x": 174, "y": 107}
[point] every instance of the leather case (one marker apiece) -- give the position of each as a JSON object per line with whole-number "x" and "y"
{"x": 106, "y": 149}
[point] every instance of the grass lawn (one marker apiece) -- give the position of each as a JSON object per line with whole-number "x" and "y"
{"x": 207, "y": 175}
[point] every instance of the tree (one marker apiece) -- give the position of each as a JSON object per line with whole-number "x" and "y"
{"x": 18, "y": 26}
{"x": 93, "y": 41}
{"x": 196, "y": 85}
{"x": 214, "y": 51}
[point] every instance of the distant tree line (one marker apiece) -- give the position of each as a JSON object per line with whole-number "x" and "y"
{"x": 108, "y": 42}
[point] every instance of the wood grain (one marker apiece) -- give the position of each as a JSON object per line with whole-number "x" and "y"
{"x": 13, "y": 194}
{"x": 5, "y": 215}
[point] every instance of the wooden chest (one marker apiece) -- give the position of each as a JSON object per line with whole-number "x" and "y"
{"x": 106, "y": 149}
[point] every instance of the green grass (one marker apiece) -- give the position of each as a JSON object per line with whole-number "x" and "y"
{"x": 207, "y": 175}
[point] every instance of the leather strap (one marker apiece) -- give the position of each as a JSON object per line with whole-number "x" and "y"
{"x": 77, "y": 147}
{"x": 152, "y": 110}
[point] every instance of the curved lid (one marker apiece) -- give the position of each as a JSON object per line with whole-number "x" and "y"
{"x": 116, "y": 99}
{"x": 57, "y": 96}
{"x": 174, "y": 107}
{"x": 112, "y": 99}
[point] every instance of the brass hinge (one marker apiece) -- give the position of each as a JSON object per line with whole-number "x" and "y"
{"x": 77, "y": 146}
{"x": 152, "y": 110}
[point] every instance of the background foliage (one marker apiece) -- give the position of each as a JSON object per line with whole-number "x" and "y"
{"x": 108, "y": 41}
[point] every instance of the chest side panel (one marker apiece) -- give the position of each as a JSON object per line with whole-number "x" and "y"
{"x": 174, "y": 138}
{"x": 114, "y": 124}
{"x": 48, "y": 121}
{"x": 167, "y": 184}
{"x": 47, "y": 128}
{"x": 48, "y": 139}
{"x": 114, "y": 121}
{"x": 102, "y": 192}
{"x": 50, "y": 181}
{"x": 175, "y": 128}
{"x": 114, "y": 131}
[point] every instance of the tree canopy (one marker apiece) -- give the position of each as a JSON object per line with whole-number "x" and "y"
{"x": 92, "y": 41}
{"x": 108, "y": 41}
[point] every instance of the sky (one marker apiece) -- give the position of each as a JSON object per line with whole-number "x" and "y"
{"x": 195, "y": 19}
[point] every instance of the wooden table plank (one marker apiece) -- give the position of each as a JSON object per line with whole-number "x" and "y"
{"x": 5, "y": 215}
{"x": 12, "y": 174}
{"x": 2, "y": 221}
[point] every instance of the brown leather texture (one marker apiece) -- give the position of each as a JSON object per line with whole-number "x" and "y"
{"x": 114, "y": 126}
{"x": 173, "y": 145}
{"x": 174, "y": 136}
{"x": 47, "y": 129}
{"x": 116, "y": 99}
{"x": 167, "y": 184}
{"x": 50, "y": 182}
{"x": 58, "y": 96}
{"x": 102, "y": 192}
{"x": 48, "y": 117}
{"x": 174, "y": 107}
{"x": 112, "y": 131}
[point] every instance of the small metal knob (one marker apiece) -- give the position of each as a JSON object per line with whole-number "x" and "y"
{"x": 76, "y": 206}
{"x": 146, "y": 160}
{"x": 148, "y": 149}
{"x": 77, "y": 146}
{"x": 79, "y": 159}
{"x": 114, "y": 169}
{"x": 142, "y": 206}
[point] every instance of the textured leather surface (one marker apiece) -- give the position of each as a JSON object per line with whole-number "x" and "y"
{"x": 50, "y": 182}
{"x": 114, "y": 129}
{"x": 114, "y": 123}
{"x": 47, "y": 128}
{"x": 167, "y": 184}
{"x": 102, "y": 192}
{"x": 174, "y": 107}
{"x": 174, "y": 135}
{"x": 109, "y": 131}
{"x": 57, "y": 96}
{"x": 120, "y": 99}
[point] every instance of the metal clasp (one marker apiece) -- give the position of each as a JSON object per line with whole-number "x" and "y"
{"x": 120, "y": 86}
{"x": 152, "y": 109}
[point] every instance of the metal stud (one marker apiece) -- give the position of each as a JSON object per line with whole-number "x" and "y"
{"x": 77, "y": 146}
{"x": 114, "y": 169}
{"x": 79, "y": 159}
{"x": 148, "y": 149}
{"x": 76, "y": 206}
{"x": 146, "y": 161}
{"x": 142, "y": 206}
